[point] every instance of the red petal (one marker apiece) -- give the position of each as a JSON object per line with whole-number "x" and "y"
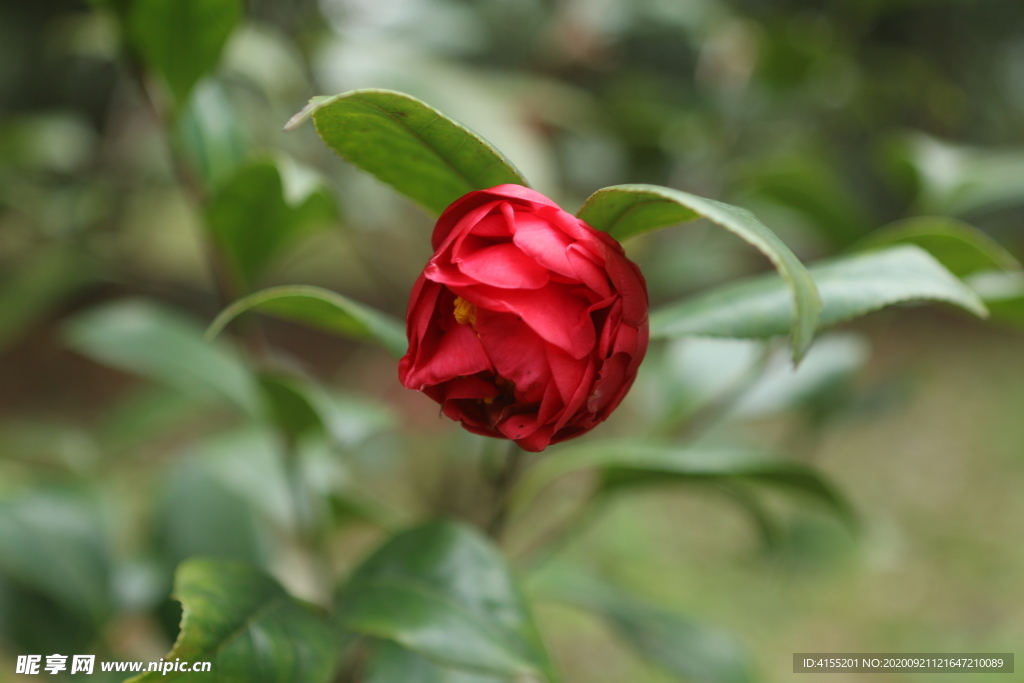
{"x": 630, "y": 282}
{"x": 537, "y": 441}
{"x": 505, "y": 266}
{"x": 460, "y": 217}
{"x": 571, "y": 226}
{"x": 421, "y": 306}
{"x": 447, "y": 275}
{"x": 612, "y": 322}
{"x": 543, "y": 243}
{"x": 588, "y": 272}
{"x": 551, "y": 404}
{"x": 493, "y": 225}
{"x": 578, "y": 399}
{"x": 524, "y": 428}
{"x": 566, "y": 371}
{"x": 516, "y": 352}
{"x": 613, "y": 374}
{"x": 458, "y": 353}
{"x": 552, "y": 312}
{"x": 471, "y": 201}
{"x": 519, "y": 192}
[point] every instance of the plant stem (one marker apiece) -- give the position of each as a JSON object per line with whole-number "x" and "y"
{"x": 504, "y": 479}
{"x": 225, "y": 287}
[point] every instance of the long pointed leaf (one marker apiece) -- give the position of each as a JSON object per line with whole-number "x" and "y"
{"x": 163, "y": 345}
{"x": 320, "y": 308}
{"x": 247, "y": 627}
{"x": 443, "y": 591}
{"x": 850, "y": 287}
{"x": 629, "y": 464}
{"x": 962, "y": 248}
{"x": 409, "y": 145}
{"x": 627, "y": 210}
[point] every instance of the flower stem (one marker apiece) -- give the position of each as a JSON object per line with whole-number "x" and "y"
{"x": 505, "y": 476}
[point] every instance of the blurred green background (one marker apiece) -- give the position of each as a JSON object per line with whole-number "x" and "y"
{"x": 827, "y": 119}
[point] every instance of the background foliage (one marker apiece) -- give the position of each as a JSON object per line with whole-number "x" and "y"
{"x": 146, "y": 183}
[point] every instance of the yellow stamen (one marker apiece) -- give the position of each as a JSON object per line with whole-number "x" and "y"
{"x": 465, "y": 312}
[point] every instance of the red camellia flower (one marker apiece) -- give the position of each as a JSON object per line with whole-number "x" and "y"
{"x": 527, "y": 323}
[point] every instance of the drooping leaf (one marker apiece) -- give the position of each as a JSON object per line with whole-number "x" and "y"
{"x": 682, "y": 646}
{"x": 416, "y": 149}
{"x": 160, "y": 344}
{"x": 320, "y": 308}
{"x": 181, "y": 40}
{"x": 54, "y": 543}
{"x": 850, "y": 286}
{"x": 1003, "y": 294}
{"x": 255, "y": 217}
{"x": 443, "y": 591}
{"x": 960, "y": 247}
{"x": 627, "y": 210}
{"x": 626, "y": 465}
{"x": 248, "y": 627}
{"x": 388, "y": 663}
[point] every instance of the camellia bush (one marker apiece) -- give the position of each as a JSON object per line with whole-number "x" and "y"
{"x": 528, "y": 327}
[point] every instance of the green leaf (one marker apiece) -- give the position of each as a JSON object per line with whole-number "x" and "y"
{"x": 320, "y": 308}
{"x": 54, "y": 543}
{"x": 255, "y": 216}
{"x": 210, "y": 135}
{"x": 687, "y": 649}
{"x": 627, "y": 210}
{"x": 181, "y": 40}
{"x": 1003, "y": 294}
{"x": 960, "y": 247}
{"x": 407, "y": 144}
{"x": 146, "y": 415}
{"x": 850, "y": 287}
{"x": 389, "y": 663}
{"x": 443, "y": 591}
{"x": 961, "y": 180}
{"x": 160, "y": 344}
{"x": 248, "y": 627}
{"x": 625, "y": 465}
